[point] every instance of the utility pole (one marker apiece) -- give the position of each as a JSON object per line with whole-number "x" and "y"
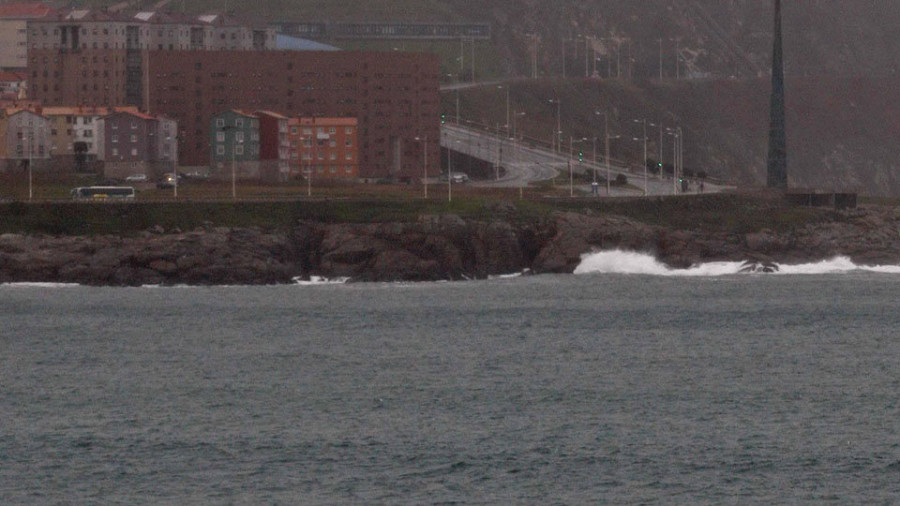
{"x": 777, "y": 162}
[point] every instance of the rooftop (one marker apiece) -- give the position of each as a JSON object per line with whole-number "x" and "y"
{"x": 23, "y": 10}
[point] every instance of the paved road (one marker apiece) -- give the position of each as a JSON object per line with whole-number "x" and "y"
{"x": 525, "y": 164}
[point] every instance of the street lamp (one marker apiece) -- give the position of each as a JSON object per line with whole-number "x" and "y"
{"x": 169, "y": 152}
{"x": 234, "y": 143}
{"x": 676, "y": 134}
{"x": 644, "y": 138}
{"x": 606, "y": 138}
{"x": 424, "y": 141}
{"x": 571, "y": 174}
{"x": 558, "y": 137}
{"x": 30, "y": 143}
{"x": 507, "y": 106}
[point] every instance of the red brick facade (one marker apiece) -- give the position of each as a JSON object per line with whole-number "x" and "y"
{"x": 393, "y": 95}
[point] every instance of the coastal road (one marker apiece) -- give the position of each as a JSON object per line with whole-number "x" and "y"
{"x": 526, "y": 164}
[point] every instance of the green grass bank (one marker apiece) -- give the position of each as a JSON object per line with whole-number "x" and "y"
{"x": 738, "y": 213}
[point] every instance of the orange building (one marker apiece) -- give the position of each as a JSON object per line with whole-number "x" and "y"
{"x": 325, "y": 146}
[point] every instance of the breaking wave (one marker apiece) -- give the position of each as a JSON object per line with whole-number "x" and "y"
{"x": 627, "y": 262}
{"x": 318, "y": 280}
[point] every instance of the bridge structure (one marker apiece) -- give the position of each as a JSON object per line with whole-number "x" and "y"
{"x": 526, "y": 162}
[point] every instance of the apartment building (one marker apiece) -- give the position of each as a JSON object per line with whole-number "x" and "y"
{"x": 235, "y": 138}
{"x": 27, "y": 136}
{"x": 14, "y": 19}
{"x": 326, "y": 148}
{"x": 136, "y": 143}
{"x": 394, "y": 97}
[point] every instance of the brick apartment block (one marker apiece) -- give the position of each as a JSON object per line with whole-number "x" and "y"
{"x": 394, "y": 96}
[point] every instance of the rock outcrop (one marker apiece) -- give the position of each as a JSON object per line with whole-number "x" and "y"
{"x": 432, "y": 248}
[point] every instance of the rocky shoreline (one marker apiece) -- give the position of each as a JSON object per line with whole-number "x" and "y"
{"x": 436, "y": 247}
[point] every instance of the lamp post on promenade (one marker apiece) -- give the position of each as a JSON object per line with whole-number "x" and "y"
{"x": 424, "y": 141}
{"x": 30, "y": 143}
{"x": 644, "y": 138}
{"x": 571, "y": 172}
{"x": 558, "y": 137}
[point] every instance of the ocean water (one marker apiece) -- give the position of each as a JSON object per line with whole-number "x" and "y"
{"x": 598, "y": 388}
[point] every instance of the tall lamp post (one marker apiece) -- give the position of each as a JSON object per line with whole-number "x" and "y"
{"x": 507, "y": 106}
{"x": 644, "y": 138}
{"x": 234, "y": 143}
{"x": 172, "y": 153}
{"x": 30, "y": 144}
{"x": 571, "y": 172}
{"x": 424, "y": 141}
{"x": 606, "y": 138}
{"x": 558, "y": 136}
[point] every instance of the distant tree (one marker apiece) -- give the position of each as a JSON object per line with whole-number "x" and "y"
{"x": 652, "y": 166}
{"x": 621, "y": 180}
{"x": 686, "y": 172}
{"x": 701, "y": 174}
{"x": 668, "y": 169}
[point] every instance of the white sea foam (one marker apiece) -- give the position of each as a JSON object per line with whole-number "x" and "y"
{"x": 629, "y": 262}
{"x": 28, "y": 284}
{"x": 318, "y": 280}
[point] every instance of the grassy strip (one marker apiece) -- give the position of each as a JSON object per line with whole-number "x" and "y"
{"x": 735, "y": 213}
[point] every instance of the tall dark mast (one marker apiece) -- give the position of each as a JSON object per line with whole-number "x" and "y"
{"x": 777, "y": 166}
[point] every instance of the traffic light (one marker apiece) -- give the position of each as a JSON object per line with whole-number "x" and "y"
{"x": 443, "y": 118}
{"x": 581, "y": 156}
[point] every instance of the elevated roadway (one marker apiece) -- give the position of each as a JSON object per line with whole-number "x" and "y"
{"x": 526, "y": 163}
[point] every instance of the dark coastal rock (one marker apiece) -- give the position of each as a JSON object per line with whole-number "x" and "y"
{"x": 431, "y": 248}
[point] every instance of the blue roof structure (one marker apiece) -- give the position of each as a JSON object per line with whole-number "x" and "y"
{"x": 297, "y": 44}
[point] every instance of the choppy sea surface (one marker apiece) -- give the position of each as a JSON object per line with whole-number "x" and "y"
{"x": 606, "y": 387}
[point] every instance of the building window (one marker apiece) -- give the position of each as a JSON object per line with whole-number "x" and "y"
{"x": 220, "y": 122}
{"x": 114, "y": 138}
{"x": 239, "y": 149}
{"x": 239, "y": 122}
{"x": 133, "y": 151}
{"x": 220, "y": 136}
{"x": 133, "y": 138}
{"x": 115, "y": 151}
{"x": 220, "y": 149}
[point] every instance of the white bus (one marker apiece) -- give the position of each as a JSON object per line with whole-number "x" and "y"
{"x": 103, "y": 192}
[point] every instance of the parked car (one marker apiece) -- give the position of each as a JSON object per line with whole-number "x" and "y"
{"x": 137, "y": 178}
